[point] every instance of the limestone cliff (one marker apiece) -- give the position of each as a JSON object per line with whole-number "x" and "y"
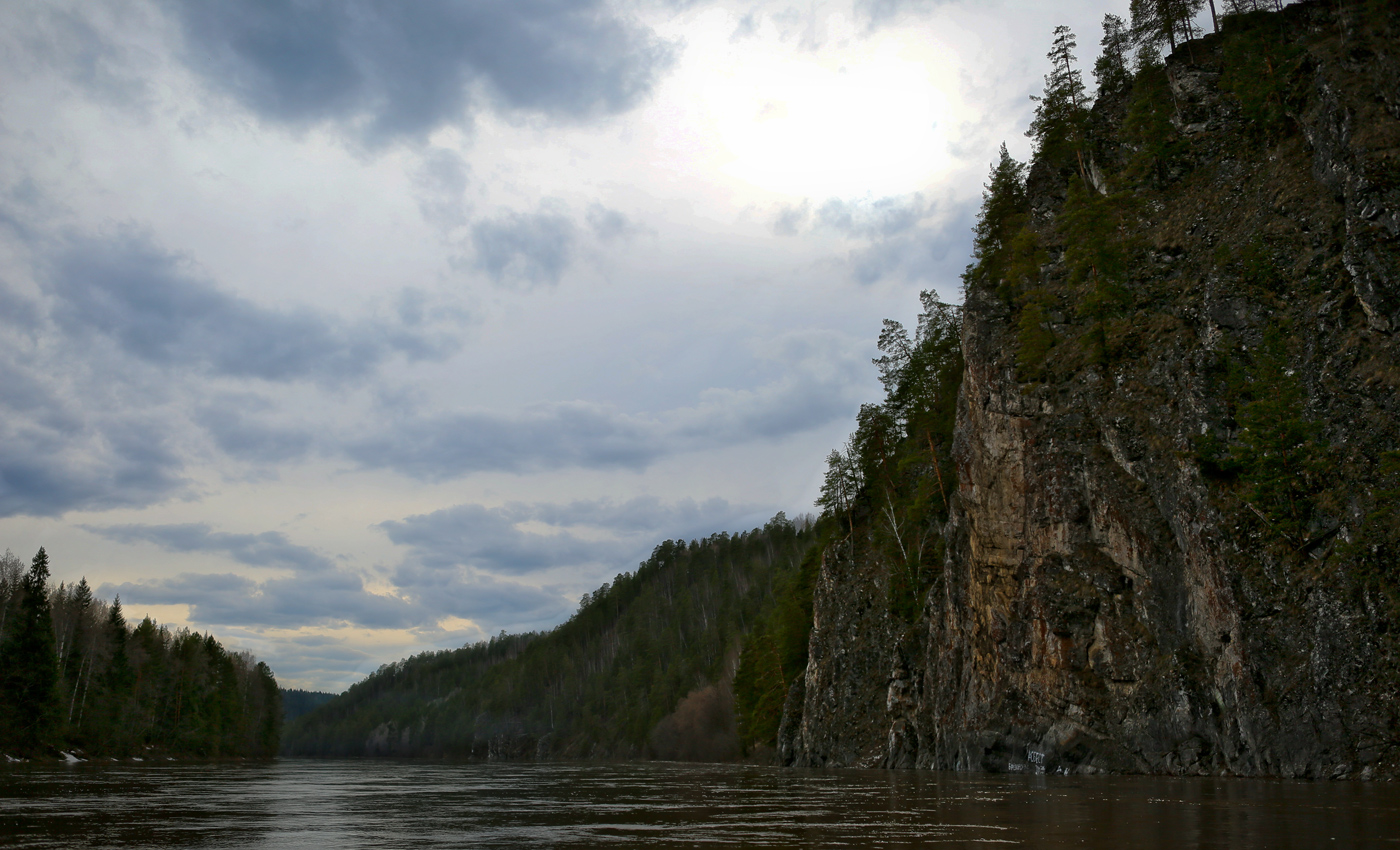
{"x": 1114, "y": 595}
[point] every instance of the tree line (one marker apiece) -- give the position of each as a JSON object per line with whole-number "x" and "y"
{"x": 75, "y": 677}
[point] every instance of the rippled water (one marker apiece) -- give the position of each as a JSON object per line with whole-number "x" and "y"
{"x": 354, "y": 804}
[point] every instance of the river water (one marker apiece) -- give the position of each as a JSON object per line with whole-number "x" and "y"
{"x": 415, "y": 805}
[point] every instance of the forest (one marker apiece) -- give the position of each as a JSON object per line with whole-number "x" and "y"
{"x": 75, "y": 678}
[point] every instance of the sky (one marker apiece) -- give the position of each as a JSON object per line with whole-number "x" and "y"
{"x": 350, "y": 329}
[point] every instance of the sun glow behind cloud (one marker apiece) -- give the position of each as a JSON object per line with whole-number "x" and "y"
{"x": 853, "y": 118}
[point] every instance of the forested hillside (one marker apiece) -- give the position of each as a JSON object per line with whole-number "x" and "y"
{"x": 644, "y": 668}
{"x": 75, "y": 677}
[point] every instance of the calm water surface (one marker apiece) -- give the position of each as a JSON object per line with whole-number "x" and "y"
{"x": 363, "y": 804}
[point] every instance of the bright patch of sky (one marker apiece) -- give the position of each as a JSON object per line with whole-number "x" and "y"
{"x": 346, "y": 330}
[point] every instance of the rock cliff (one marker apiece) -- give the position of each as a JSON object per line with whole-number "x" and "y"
{"x": 1118, "y": 593}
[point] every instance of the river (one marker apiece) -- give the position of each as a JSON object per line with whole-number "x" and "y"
{"x": 416, "y": 805}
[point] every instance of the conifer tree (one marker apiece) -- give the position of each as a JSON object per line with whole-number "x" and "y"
{"x": 116, "y": 683}
{"x": 1111, "y": 68}
{"x": 1060, "y": 113}
{"x": 1169, "y": 21}
{"x": 28, "y": 665}
{"x": 1002, "y": 216}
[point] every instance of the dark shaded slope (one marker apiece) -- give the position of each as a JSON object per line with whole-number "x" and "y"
{"x": 597, "y": 686}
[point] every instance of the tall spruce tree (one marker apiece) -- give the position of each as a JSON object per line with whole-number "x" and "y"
{"x": 29, "y": 666}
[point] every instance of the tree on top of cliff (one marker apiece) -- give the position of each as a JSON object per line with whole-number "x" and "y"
{"x": 1002, "y": 216}
{"x": 1060, "y": 112}
{"x": 1111, "y": 71}
{"x": 913, "y": 370}
{"x": 1171, "y": 21}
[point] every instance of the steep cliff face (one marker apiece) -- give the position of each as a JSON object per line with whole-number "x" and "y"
{"x": 1118, "y": 594}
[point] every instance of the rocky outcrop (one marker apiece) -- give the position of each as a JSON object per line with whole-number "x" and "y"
{"x": 1104, "y": 605}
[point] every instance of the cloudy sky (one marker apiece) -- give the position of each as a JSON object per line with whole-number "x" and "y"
{"x": 346, "y": 330}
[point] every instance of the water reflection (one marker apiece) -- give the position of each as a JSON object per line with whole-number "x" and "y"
{"x": 364, "y": 804}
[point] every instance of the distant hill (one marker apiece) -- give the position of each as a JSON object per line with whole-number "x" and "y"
{"x": 296, "y": 702}
{"x": 644, "y": 668}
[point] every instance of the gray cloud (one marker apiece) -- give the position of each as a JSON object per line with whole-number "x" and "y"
{"x": 75, "y": 43}
{"x": 551, "y": 437}
{"x": 496, "y": 603}
{"x": 266, "y": 549}
{"x": 879, "y": 12}
{"x": 441, "y": 180}
{"x": 240, "y": 435}
{"x": 156, "y": 308}
{"x": 881, "y": 218}
{"x": 17, "y": 311}
{"x": 907, "y": 236}
{"x": 386, "y": 70}
{"x": 56, "y": 456}
{"x": 820, "y": 383}
{"x": 530, "y": 248}
{"x": 84, "y": 426}
{"x": 746, "y": 28}
{"x": 930, "y": 254}
{"x": 453, "y": 552}
{"x": 324, "y": 661}
{"x": 319, "y": 598}
{"x": 487, "y": 538}
{"x": 610, "y": 225}
{"x": 648, "y": 516}
{"x": 508, "y": 540}
{"x": 458, "y": 555}
{"x": 792, "y": 219}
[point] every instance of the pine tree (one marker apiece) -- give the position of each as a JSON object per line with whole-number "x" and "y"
{"x": 1169, "y": 21}
{"x": 29, "y": 666}
{"x": 1111, "y": 68}
{"x": 1060, "y": 113}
